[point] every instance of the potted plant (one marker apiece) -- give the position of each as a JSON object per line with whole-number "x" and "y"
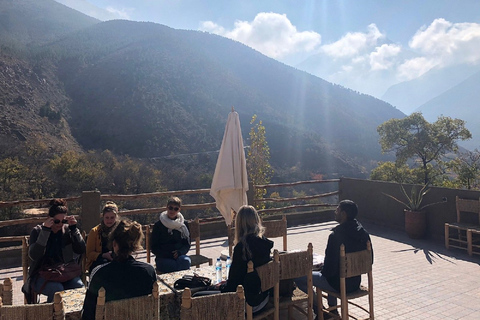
{"x": 415, "y": 216}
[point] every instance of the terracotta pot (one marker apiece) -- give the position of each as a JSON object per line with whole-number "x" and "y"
{"x": 415, "y": 223}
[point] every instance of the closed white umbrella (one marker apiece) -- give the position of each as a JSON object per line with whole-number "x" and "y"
{"x": 230, "y": 181}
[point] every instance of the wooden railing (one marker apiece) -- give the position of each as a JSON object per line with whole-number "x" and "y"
{"x": 185, "y": 207}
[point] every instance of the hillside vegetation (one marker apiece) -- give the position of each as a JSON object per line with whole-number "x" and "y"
{"x": 153, "y": 92}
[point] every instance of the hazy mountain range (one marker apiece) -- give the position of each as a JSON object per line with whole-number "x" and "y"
{"x": 151, "y": 91}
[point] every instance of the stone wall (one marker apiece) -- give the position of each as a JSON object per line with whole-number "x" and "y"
{"x": 375, "y": 207}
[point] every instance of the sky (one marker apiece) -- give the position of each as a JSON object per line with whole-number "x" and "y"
{"x": 365, "y": 45}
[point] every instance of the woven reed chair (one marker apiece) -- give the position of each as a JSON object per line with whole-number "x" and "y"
{"x": 269, "y": 275}
{"x": 351, "y": 265}
{"x": 197, "y": 258}
{"x": 44, "y": 311}
{"x": 6, "y": 292}
{"x": 294, "y": 265}
{"x": 273, "y": 229}
{"x": 144, "y": 307}
{"x": 277, "y": 228}
{"x": 456, "y": 233}
{"x": 230, "y": 305}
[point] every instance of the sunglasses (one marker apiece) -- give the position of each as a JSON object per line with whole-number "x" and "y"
{"x": 56, "y": 221}
{"x": 173, "y": 208}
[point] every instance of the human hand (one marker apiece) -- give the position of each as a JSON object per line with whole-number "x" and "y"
{"x": 71, "y": 220}
{"x": 108, "y": 256}
{"x": 48, "y": 223}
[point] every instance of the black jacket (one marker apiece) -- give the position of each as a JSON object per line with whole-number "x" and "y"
{"x": 260, "y": 248}
{"x": 354, "y": 237}
{"x": 121, "y": 280}
{"x": 163, "y": 242}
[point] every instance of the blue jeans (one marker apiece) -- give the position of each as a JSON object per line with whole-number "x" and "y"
{"x": 318, "y": 281}
{"x": 171, "y": 265}
{"x": 51, "y": 287}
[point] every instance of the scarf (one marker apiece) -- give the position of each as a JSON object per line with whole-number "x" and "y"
{"x": 177, "y": 224}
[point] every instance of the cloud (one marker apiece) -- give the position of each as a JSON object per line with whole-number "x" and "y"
{"x": 120, "y": 13}
{"x": 442, "y": 44}
{"x": 353, "y": 43}
{"x": 383, "y": 57}
{"x": 270, "y": 33}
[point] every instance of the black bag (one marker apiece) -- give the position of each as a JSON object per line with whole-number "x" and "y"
{"x": 190, "y": 281}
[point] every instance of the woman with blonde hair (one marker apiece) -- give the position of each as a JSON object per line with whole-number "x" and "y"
{"x": 250, "y": 244}
{"x": 98, "y": 250}
{"x": 123, "y": 277}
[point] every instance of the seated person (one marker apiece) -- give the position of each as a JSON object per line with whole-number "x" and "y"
{"x": 250, "y": 244}
{"x": 55, "y": 241}
{"x": 350, "y": 233}
{"x": 98, "y": 251}
{"x": 171, "y": 239}
{"x": 124, "y": 277}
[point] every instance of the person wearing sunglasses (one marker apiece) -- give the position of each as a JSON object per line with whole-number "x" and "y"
{"x": 57, "y": 240}
{"x": 98, "y": 248}
{"x": 171, "y": 239}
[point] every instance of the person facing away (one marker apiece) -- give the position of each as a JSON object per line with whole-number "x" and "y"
{"x": 56, "y": 240}
{"x": 98, "y": 250}
{"x": 123, "y": 277}
{"x": 170, "y": 239}
{"x": 250, "y": 244}
{"x": 354, "y": 237}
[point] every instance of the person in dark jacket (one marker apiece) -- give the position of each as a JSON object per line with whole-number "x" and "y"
{"x": 124, "y": 277}
{"x": 250, "y": 244}
{"x": 171, "y": 239}
{"x": 349, "y": 233}
{"x": 56, "y": 240}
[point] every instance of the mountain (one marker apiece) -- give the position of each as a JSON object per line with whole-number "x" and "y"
{"x": 410, "y": 95}
{"x": 460, "y": 102}
{"x": 151, "y": 91}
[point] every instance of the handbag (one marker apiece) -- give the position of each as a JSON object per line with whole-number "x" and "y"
{"x": 61, "y": 272}
{"x": 190, "y": 281}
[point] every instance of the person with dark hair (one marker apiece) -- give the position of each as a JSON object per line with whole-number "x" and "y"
{"x": 57, "y": 240}
{"x": 354, "y": 237}
{"x": 123, "y": 277}
{"x": 250, "y": 244}
{"x": 171, "y": 239}
{"x": 98, "y": 250}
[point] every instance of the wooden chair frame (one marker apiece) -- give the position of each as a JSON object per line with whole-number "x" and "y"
{"x": 269, "y": 275}
{"x": 230, "y": 305}
{"x": 273, "y": 229}
{"x": 197, "y": 259}
{"x": 294, "y": 265}
{"x": 456, "y": 233}
{"x": 351, "y": 265}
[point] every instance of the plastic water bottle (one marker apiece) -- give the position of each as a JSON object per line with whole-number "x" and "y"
{"x": 218, "y": 269}
{"x": 227, "y": 267}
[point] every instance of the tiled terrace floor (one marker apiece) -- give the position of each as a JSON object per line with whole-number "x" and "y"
{"x": 413, "y": 279}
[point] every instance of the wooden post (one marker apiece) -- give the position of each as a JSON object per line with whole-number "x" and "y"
{"x": 187, "y": 299}
{"x": 284, "y": 218}
{"x": 90, "y": 215}
{"x": 310, "y": 283}
{"x": 147, "y": 241}
{"x": 58, "y": 308}
{"x": 7, "y": 292}
{"x": 100, "y": 304}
